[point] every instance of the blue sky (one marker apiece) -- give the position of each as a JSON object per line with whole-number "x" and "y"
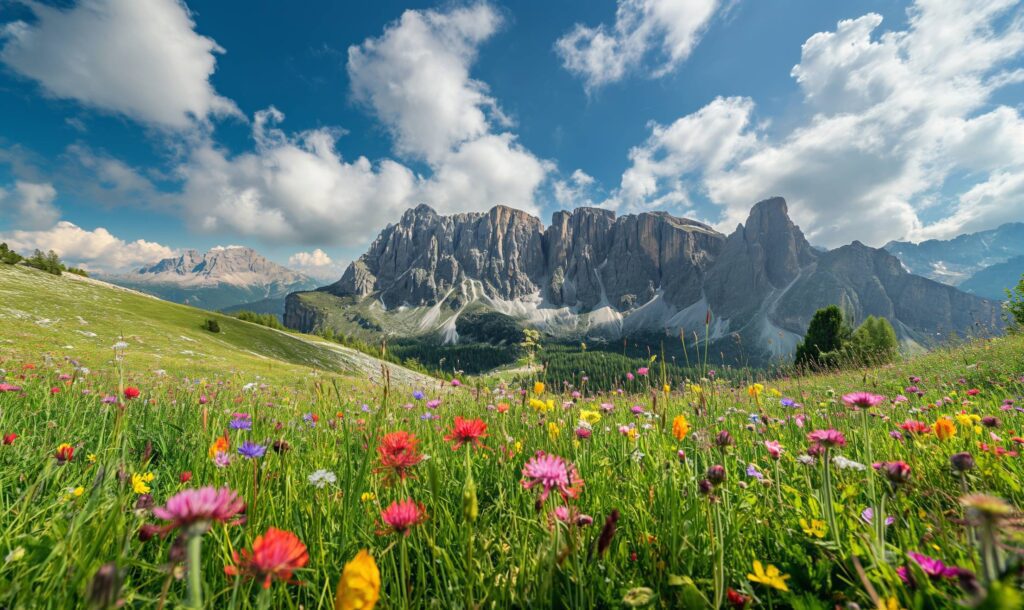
{"x": 137, "y": 128}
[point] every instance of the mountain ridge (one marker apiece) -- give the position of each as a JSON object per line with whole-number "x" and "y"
{"x": 591, "y": 273}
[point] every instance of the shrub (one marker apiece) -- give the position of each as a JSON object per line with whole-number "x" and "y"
{"x": 8, "y": 256}
{"x": 211, "y": 325}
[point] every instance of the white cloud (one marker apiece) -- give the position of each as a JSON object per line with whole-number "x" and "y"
{"x": 892, "y": 120}
{"x": 96, "y": 250}
{"x": 576, "y": 191}
{"x": 29, "y": 205}
{"x": 415, "y": 78}
{"x": 139, "y": 58}
{"x": 663, "y": 32}
{"x": 316, "y": 264}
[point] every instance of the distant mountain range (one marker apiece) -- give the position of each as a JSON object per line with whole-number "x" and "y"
{"x": 591, "y": 274}
{"x": 223, "y": 278}
{"x": 983, "y": 263}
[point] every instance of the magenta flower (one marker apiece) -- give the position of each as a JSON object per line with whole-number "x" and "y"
{"x": 6, "y": 387}
{"x": 642, "y": 371}
{"x": 774, "y": 449}
{"x": 827, "y": 438}
{"x": 933, "y": 568}
{"x": 863, "y": 400}
{"x": 201, "y": 507}
{"x": 552, "y": 473}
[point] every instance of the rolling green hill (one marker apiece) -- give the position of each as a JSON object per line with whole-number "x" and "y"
{"x": 45, "y": 316}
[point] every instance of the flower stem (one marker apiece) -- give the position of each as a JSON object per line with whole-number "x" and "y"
{"x": 194, "y": 555}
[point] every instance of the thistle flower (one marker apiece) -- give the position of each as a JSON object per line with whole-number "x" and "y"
{"x": 962, "y": 462}
{"x": 359, "y": 585}
{"x": 200, "y": 507}
{"x": 275, "y": 554}
{"x": 402, "y": 516}
{"x": 716, "y": 474}
{"x": 551, "y": 472}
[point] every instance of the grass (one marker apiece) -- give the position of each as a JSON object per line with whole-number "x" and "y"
{"x": 489, "y": 542}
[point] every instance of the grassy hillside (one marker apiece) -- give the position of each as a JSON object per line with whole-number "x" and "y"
{"x": 45, "y": 316}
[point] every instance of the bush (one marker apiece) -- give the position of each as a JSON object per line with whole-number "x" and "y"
{"x": 48, "y": 262}
{"x": 211, "y": 325}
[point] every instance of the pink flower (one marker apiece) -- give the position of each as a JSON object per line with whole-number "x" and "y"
{"x": 629, "y": 376}
{"x": 827, "y": 438}
{"x": 456, "y": 383}
{"x": 200, "y": 506}
{"x": 642, "y": 371}
{"x": 402, "y": 516}
{"x": 552, "y": 473}
{"x": 863, "y": 400}
{"x": 6, "y": 387}
{"x": 774, "y": 449}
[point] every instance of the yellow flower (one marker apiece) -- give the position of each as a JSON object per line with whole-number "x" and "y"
{"x": 76, "y": 492}
{"x": 666, "y": 388}
{"x": 965, "y": 419}
{"x": 519, "y": 447}
{"x": 541, "y": 406}
{"x": 553, "y": 430}
{"x": 680, "y": 427}
{"x": 368, "y": 496}
{"x": 91, "y": 458}
{"x": 693, "y": 387}
{"x": 591, "y": 417}
{"x": 944, "y": 428}
{"x": 775, "y": 393}
{"x": 538, "y": 387}
{"x": 139, "y": 482}
{"x": 771, "y": 577}
{"x": 815, "y": 528}
{"x": 631, "y": 434}
{"x": 359, "y": 585}
{"x": 889, "y": 604}
{"x": 755, "y": 390}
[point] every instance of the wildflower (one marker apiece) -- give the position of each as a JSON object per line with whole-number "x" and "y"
{"x": 770, "y": 577}
{"x": 552, "y": 473}
{"x": 915, "y": 427}
{"x": 868, "y": 515}
{"x": 322, "y": 478}
{"x": 398, "y": 454}
{"x": 220, "y": 445}
{"x": 275, "y": 554}
{"x": 814, "y": 528}
{"x": 281, "y": 446}
{"x": 752, "y": 471}
{"x": 723, "y": 439}
{"x": 897, "y": 472}
{"x": 604, "y": 540}
{"x": 680, "y": 427}
{"x": 200, "y": 507}
{"x": 774, "y": 449}
{"x": 10, "y": 438}
{"x": 76, "y": 492}
{"x": 736, "y": 599}
{"x": 591, "y": 417}
{"x": 538, "y": 388}
{"x": 131, "y": 392}
{"x": 554, "y": 430}
{"x": 140, "y": 482}
{"x": 240, "y": 423}
{"x": 359, "y": 585}
{"x": 367, "y": 496}
{"x": 716, "y": 474}
{"x": 629, "y": 377}
{"x": 844, "y": 464}
{"x": 6, "y": 387}
{"x": 467, "y": 432}
{"x": 402, "y": 516}
{"x": 933, "y": 568}
{"x": 982, "y": 508}
{"x": 990, "y": 421}
{"x": 962, "y": 462}
{"x": 863, "y": 400}
{"x": 311, "y": 419}
{"x": 252, "y": 450}
{"x": 64, "y": 453}
{"x": 643, "y": 371}
{"x": 572, "y": 516}
{"x": 583, "y": 431}
{"x": 185, "y": 476}
{"x": 755, "y": 390}
{"x": 827, "y": 438}
{"x": 944, "y": 428}
{"x": 222, "y": 459}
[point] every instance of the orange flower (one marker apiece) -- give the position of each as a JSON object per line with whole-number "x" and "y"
{"x": 680, "y": 427}
{"x": 65, "y": 453}
{"x": 944, "y": 428}
{"x": 221, "y": 445}
{"x": 275, "y": 554}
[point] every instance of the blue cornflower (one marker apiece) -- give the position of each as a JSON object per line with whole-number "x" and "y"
{"x": 252, "y": 450}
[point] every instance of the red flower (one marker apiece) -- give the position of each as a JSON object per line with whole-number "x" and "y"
{"x": 275, "y": 554}
{"x": 64, "y": 453}
{"x": 185, "y": 476}
{"x": 916, "y": 427}
{"x": 735, "y": 598}
{"x": 402, "y": 516}
{"x": 398, "y": 454}
{"x": 9, "y": 438}
{"x": 131, "y": 392}
{"x": 54, "y": 390}
{"x": 468, "y": 432}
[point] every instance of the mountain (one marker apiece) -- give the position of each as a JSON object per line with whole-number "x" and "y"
{"x": 953, "y": 261}
{"x": 992, "y": 282}
{"x": 221, "y": 278}
{"x": 591, "y": 274}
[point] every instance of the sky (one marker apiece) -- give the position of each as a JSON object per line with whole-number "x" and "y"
{"x": 135, "y": 129}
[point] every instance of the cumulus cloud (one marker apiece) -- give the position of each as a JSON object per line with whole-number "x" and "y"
{"x": 316, "y": 264}
{"x": 29, "y": 205}
{"x": 661, "y": 32}
{"x": 892, "y": 118}
{"x": 139, "y": 58}
{"x": 96, "y": 250}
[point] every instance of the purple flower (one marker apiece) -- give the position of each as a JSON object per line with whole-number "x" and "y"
{"x": 417, "y": 395}
{"x": 868, "y": 514}
{"x": 433, "y": 404}
{"x": 252, "y": 450}
{"x": 240, "y": 423}
{"x": 753, "y": 472}
{"x": 933, "y": 568}
{"x": 309, "y": 419}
